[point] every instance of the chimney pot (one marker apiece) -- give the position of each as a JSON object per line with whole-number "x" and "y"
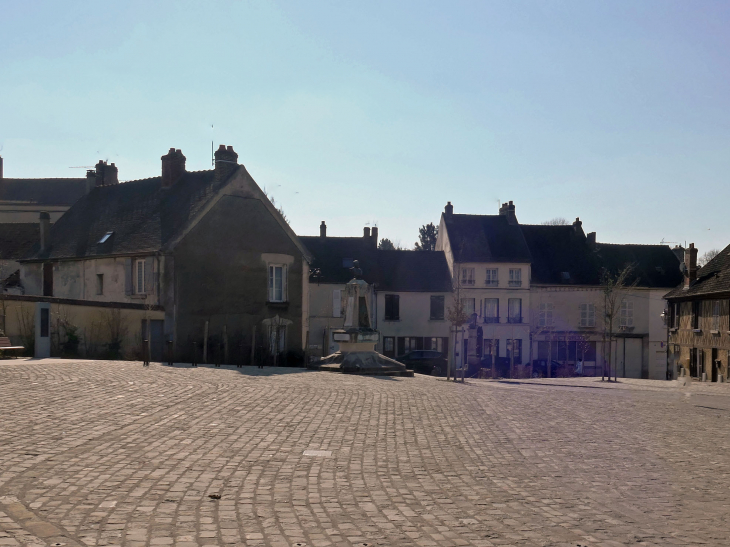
{"x": 323, "y": 230}
{"x": 226, "y": 161}
{"x": 690, "y": 262}
{"x": 508, "y": 210}
{"x": 375, "y": 236}
{"x": 449, "y": 209}
{"x": 366, "y": 232}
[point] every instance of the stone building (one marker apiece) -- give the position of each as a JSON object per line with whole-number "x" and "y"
{"x": 698, "y": 318}
{"x": 411, "y": 290}
{"x": 205, "y": 250}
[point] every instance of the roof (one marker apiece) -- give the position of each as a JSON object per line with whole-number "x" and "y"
{"x": 17, "y": 240}
{"x": 140, "y": 215}
{"x": 398, "y": 271}
{"x": 561, "y": 255}
{"x": 486, "y": 238}
{"x": 53, "y": 191}
{"x": 713, "y": 278}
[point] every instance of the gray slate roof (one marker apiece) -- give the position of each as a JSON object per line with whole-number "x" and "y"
{"x": 51, "y": 191}
{"x": 18, "y": 239}
{"x": 398, "y": 271}
{"x": 712, "y": 279}
{"x": 142, "y": 216}
{"x": 486, "y": 238}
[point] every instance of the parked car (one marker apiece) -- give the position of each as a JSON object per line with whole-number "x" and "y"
{"x": 501, "y": 365}
{"x": 539, "y": 368}
{"x": 424, "y": 362}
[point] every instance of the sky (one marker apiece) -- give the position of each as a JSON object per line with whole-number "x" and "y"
{"x": 378, "y": 113}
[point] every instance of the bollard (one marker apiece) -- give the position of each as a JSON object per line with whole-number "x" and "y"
{"x": 194, "y": 363}
{"x": 239, "y": 361}
{"x": 169, "y": 354}
{"x": 145, "y": 353}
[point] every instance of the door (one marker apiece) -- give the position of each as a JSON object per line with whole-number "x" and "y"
{"x": 632, "y": 357}
{"x": 714, "y": 364}
{"x": 157, "y": 341}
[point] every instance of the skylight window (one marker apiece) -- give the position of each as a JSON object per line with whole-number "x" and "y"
{"x": 106, "y": 237}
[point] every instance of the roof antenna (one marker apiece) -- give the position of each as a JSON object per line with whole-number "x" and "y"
{"x": 212, "y": 155}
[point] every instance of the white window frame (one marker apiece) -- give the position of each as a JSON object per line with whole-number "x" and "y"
{"x": 273, "y": 296}
{"x": 492, "y": 277}
{"x": 467, "y": 276}
{"x": 545, "y": 317}
{"x": 510, "y": 317}
{"x": 491, "y": 318}
{"x": 464, "y": 306}
{"x": 626, "y": 314}
{"x": 587, "y": 315}
{"x": 515, "y": 277}
{"x": 139, "y": 273}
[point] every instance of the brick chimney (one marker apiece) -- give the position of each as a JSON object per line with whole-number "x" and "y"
{"x": 449, "y": 209}
{"x": 173, "y": 167}
{"x": 374, "y": 236}
{"x": 323, "y": 230}
{"x": 366, "y": 233}
{"x": 508, "y": 210}
{"x": 45, "y": 221}
{"x": 690, "y": 266}
{"x": 591, "y": 239}
{"x": 106, "y": 174}
{"x": 678, "y": 251}
{"x": 226, "y": 161}
{"x": 578, "y": 227}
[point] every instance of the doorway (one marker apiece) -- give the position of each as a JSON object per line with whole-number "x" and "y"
{"x": 714, "y": 364}
{"x": 157, "y": 342}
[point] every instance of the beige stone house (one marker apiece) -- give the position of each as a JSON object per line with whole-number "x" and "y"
{"x": 411, "y": 290}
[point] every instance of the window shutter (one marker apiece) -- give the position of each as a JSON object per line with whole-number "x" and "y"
{"x": 128, "y": 276}
{"x": 271, "y": 284}
{"x": 396, "y": 305}
{"x": 149, "y": 275}
{"x": 284, "y": 283}
{"x": 336, "y": 303}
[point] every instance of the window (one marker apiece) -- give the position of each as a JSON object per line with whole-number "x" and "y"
{"x": 515, "y": 277}
{"x": 139, "y": 276}
{"x": 716, "y": 315}
{"x": 468, "y": 304}
{"x": 545, "y": 317}
{"x": 491, "y": 310}
{"x": 514, "y": 351}
{"x": 675, "y": 315}
{"x": 491, "y": 347}
{"x": 467, "y": 276}
{"x": 99, "y": 283}
{"x": 437, "y": 307}
{"x": 337, "y": 303}
{"x": 106, "y": 237}
{"x": 626, "y": 317}
{"x": 409, "y": 343}
{"x": 514, "y": 310}
{"x": 696, "y": 310}
{"x": 392, "y": 307}
{"x": 492, "y": 280}
{"x": 587, "y": 315}
{"x": 439, "y": 345}
{"x": 277, "y": 283}
{"x": 389, "y": 346}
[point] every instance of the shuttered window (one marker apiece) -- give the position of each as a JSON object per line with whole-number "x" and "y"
{"x": 627, "y": 314}
{"x": 392, "y": 307}
{"x": 437, "y": 308}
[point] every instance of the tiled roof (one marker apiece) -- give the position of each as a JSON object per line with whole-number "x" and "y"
{"x": 486, "y": 238}
{"x": 54, "y": 191}
{"x": 17, "y": 240}
{"x": 141, "y": 216}
{"x": 403, "y": 271}
{"x": 713, "y": 278}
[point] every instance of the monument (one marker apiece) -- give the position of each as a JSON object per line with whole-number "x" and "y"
{"x": 358, "y": 338}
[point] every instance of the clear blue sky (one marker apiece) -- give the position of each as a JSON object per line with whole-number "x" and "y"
{"x": 381, "y": 112}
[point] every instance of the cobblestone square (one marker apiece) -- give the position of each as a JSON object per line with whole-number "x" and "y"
{"x": 111, "y": 453}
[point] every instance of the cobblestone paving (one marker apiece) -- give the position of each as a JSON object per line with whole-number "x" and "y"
{"x": 109, "y": 453}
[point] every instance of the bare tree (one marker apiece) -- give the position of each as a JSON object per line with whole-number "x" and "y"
{"x": 614, "y": 287}
{"x": 557, "y": 221}
{"x": 456, "y": 316}
{"x": 705, "y": 258}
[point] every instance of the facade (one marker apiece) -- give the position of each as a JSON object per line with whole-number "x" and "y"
{"x": 22, "y": 200}
{"x": 535, "y": 296}
{"x": 206, "y": 248}
{"x": 411, "y": 290}
{"x": 699, "y": 318}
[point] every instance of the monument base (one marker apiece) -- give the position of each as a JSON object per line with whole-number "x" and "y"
{"x": 361, "y": 362}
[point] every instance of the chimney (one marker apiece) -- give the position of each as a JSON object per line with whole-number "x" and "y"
{"x": 1, "y": 167}
{"x": 508, "y": 210}
{"x": 678, "y": 251}
{"x": 690, "y": 266}
{"x": 366, "y": 232}
{"x": 578, "y": 227}
{"x": 45, "y": 220}
{"x": 374, "y": 233}
{"x": 591, "y": 238}
{"x": 90, "y": 180}
{"x": 449, "y": 209}
{"x": 173, "y": 167}
{"x": 323, "y": 230}
{"x": 106, "y": 174}
{"x": 226, "y": 161}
